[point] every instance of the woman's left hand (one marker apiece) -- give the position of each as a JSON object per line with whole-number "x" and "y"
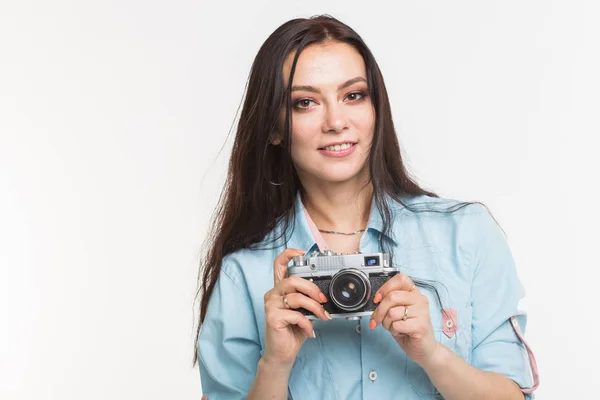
{"x": 404, "y": 311}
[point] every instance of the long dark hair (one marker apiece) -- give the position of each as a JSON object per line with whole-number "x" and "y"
{"x": 250, "y": 205}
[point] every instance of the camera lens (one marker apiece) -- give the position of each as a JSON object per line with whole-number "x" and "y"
{"x": 350, "y": 289}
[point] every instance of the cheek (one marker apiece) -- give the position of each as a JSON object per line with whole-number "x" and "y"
{"x": 367, "y": 122}
{"x": 305, "y": 132}
{"x": 303, "y": 141}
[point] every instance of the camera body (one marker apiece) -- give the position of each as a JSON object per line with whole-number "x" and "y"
{"x": 349, "y": 281}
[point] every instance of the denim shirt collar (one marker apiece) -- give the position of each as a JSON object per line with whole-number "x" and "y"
{"x": 301, "y": 237}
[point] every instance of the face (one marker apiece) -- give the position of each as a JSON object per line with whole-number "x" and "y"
{"x": 332, "y": 115}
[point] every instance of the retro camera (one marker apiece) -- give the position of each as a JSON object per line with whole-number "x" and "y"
{"x": 349, "y": 281}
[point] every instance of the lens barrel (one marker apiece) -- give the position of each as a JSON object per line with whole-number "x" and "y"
{"x": 350, "y": 289}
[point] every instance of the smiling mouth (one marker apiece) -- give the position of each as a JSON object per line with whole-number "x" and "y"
{"x": 338, "y": 147}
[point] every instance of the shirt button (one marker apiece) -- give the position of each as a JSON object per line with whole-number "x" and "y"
{"x": 357, "y": 329}
{"x": 373, "y": 376}
{"x": 449, "y": 323}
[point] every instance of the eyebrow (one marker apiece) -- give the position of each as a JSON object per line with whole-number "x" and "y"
{"x": 342, "y": 86}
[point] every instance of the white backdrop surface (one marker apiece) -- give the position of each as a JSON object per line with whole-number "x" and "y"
{"x": 112, "y": 116}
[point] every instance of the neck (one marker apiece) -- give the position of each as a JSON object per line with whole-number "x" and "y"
{"x": 342, "y": 207}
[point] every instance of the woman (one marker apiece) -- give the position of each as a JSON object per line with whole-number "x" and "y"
{"x": 316, "y": 165}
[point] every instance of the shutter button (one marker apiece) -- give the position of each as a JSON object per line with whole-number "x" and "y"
{"x": 373, "y": 376}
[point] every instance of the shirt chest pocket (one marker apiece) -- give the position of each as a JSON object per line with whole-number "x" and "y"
{"x": 450, "y": 312}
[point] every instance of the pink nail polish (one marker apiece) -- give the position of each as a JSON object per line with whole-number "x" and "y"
{"x": 372, "y": 324}
{"x": 377, "y": 298}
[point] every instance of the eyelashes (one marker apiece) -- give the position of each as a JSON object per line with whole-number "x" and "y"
{"x": 298, "y": 103}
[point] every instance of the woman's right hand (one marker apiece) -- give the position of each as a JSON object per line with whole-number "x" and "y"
{"x": 287, "y": 329}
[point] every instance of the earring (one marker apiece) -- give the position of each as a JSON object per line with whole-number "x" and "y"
{"x": 275, "y": 183}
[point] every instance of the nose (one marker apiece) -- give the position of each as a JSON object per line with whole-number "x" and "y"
{"x": 335, "y": 120}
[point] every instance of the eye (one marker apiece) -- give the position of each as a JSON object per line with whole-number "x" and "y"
{"x": 361, "y": 94}
{"x": 302, "y": 102}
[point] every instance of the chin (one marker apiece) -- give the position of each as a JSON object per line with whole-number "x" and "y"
{"x": 333, "y": 174}
{"x": 340, "y": 176}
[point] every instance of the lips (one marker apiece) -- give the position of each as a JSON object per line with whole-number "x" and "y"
{"x": 338, "y": 150}
{"x": 338, "y": 146}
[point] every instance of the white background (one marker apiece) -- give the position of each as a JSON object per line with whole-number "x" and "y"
{"x": 112, "y": 116}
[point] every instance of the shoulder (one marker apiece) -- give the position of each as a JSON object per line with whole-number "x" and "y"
{"x": 442, "y": 210}
{"x": 438, "y": 210}
{"x": 241, "y": 265}
{"x": 252, "y": 266}
{"x": 427, "y": 206}
{"x": 444, "y": 222}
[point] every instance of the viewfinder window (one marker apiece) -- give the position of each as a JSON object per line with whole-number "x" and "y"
{"x": 372, "y": 261}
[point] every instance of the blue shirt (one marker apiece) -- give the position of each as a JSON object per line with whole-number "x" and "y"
{"x": 464, "y": 252}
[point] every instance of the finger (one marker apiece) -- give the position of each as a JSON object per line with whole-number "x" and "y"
{"x": 281, "y": 262}
{"x": 394, "y": 314}
{"x": 299, "y": 300}
{"x": 397, "y": 282}
{"x": 393, "y": 299}
{"x": 283, "y": 318}
{"x": 397, "y": 314}
{"x": 410, "y": 327}
{"x": 297, "y": 284}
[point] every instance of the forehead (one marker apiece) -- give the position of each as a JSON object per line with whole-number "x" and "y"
{"x": 325, "y": 65}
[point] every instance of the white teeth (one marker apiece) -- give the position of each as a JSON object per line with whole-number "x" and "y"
{"x": 339, "y": 147}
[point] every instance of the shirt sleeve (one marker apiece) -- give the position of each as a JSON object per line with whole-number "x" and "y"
{"x": 496, "y": 292}
{"x": 228, "y": 344}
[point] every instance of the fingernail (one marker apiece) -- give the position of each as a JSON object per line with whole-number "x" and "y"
{"x": 372, "y": 324}
{"x": 377, "y": 298}
{"x": 327, "y": 315}
{"x": 322, "y": 297}
{"x": 314, "y": 334}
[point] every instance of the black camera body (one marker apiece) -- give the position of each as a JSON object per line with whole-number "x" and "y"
{"x": 349, "y": 281}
